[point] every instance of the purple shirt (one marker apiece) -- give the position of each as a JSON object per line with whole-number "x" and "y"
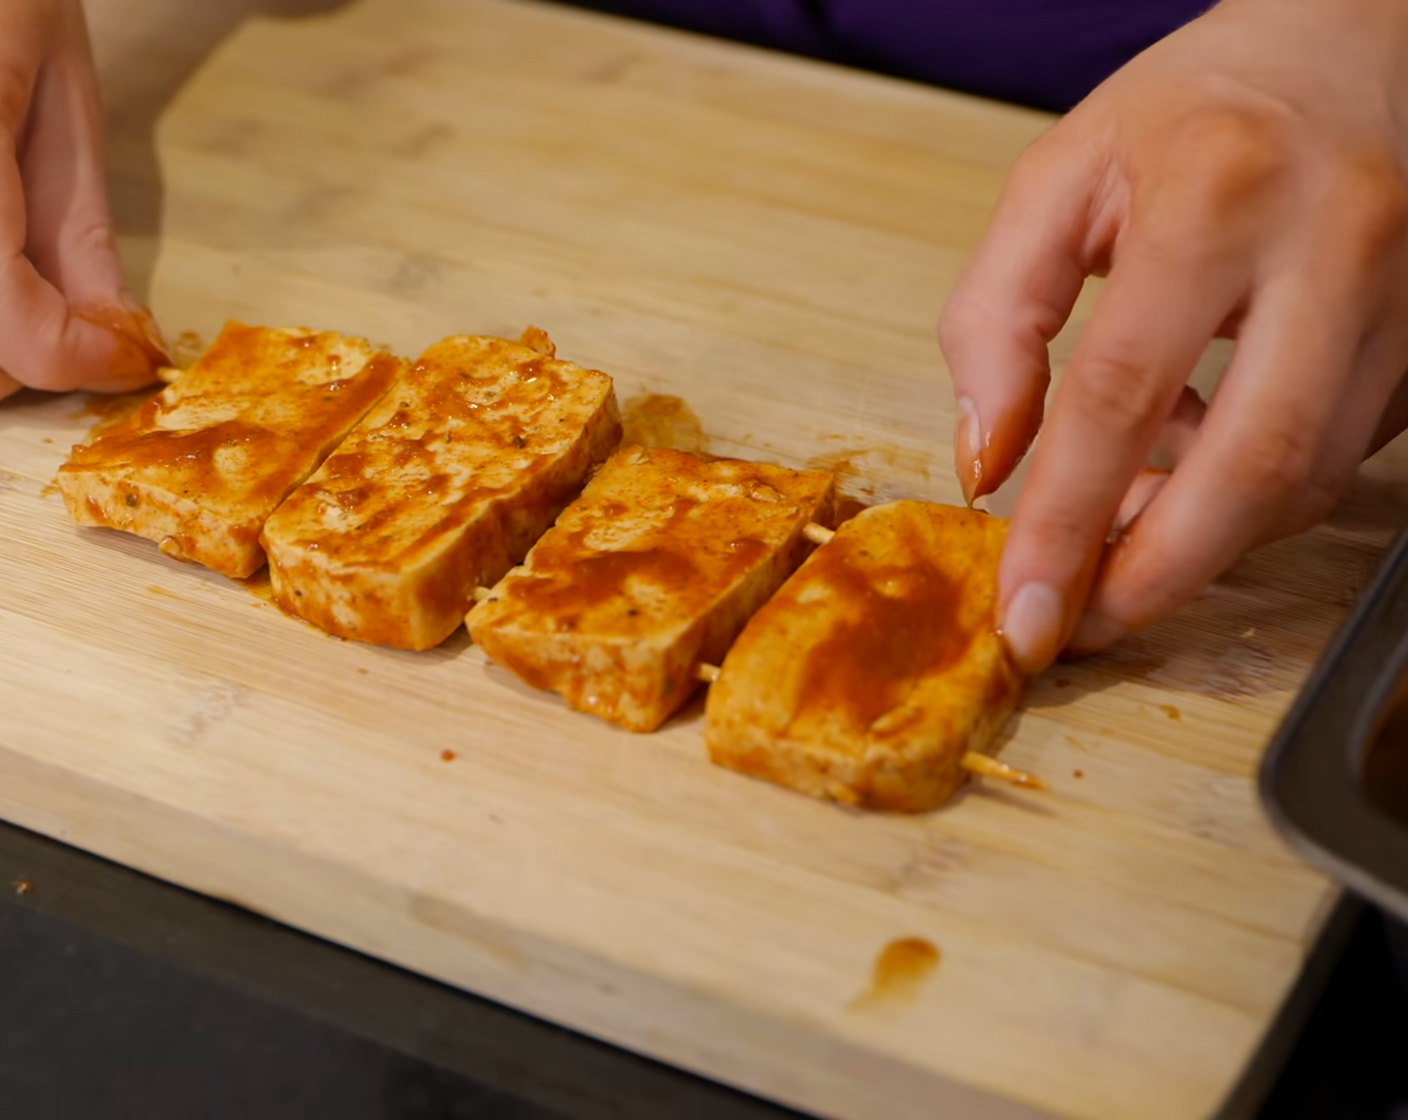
{"x": 1047, "y": 53}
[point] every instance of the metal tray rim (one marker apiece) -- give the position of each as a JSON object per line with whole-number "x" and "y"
{"x": 1307, "y": 779}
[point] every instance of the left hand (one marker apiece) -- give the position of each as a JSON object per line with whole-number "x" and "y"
{"x": 66, "y": 318}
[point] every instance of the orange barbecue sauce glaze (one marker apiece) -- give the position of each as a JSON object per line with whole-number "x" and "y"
{"x": 241, "y": 364}
{"x": 440, "y": 404}
{"x": 189, "y": 455}
{"x": 687, "y": 556}
{"x": 894, "y": 626}
{"x": 570, "y": 578}
{"x": 451, "y": 478}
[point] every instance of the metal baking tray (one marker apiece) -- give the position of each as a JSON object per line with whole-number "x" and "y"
{"x": 1335, "y": 778}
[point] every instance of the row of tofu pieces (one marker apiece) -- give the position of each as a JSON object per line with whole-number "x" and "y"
{"x": 386, "y": 496}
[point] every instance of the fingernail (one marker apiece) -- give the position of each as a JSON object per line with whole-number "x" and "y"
{"x": 968, "y": 448}
{"x": 1033, "y": 626}
{"x": 1095, "y": 632}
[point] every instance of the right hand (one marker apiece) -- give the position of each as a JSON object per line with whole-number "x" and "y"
{"x": 67, "y": 320}
{"x": 1246, "y": 177}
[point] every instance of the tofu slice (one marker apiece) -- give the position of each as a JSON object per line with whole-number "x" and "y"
{"x": 443, "y": 487}
{"x": 201, "y": 466}
{"x": 654, "y": 570}
{"x": 876, "y": 667}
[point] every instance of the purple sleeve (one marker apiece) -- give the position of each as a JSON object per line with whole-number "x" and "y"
{"x": 1047, "y": 53}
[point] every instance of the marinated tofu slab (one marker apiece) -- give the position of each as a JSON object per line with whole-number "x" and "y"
{"x": 442, "y": 488}
{"x": 653, "y": 571}
{"x": 201, "y": 466}
{"x": 876, "y": 667}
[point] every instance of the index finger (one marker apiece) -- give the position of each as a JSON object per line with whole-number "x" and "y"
{"x": 1012, "y": 299}
{"x": 1161, "y": 306}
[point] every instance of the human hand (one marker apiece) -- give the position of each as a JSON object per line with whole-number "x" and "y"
{"x": 66, "y": 319}
{"x": 1244, "y": 177}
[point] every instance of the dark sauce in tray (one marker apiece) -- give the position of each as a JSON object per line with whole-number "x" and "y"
{"x": 1385, "y": 765}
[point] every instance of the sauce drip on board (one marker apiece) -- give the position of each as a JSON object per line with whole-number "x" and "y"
{"x": 660, "y": 420}
{"x": 899, "y": 971}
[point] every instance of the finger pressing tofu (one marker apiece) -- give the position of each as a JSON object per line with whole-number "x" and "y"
{"x": 443, "y": 487}
{"x": 201, "y": 466}
{"x": 876, "y": 667}
{"x": 653, "y": 571}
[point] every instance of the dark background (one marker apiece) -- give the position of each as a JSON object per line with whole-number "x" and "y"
{"x": 123, "y": 997}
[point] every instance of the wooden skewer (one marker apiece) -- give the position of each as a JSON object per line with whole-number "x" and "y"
{"x": 167, "y": 374}
{"x": 818, "y": 534}
{"x": 990, "y": 767}
{"x": 981, "y": 764}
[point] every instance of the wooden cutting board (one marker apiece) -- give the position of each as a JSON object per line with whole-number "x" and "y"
{"x": 756, "y": 248}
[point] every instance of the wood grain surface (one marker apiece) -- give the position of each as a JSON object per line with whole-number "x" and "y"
{"x": 768, "y": 240}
